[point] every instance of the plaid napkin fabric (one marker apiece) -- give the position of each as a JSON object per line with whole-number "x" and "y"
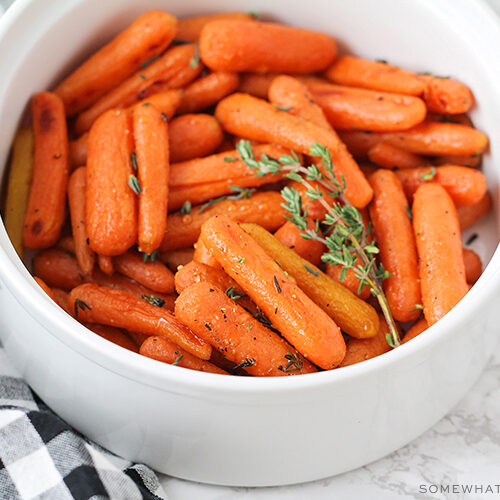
{"x": 42, "y": 457}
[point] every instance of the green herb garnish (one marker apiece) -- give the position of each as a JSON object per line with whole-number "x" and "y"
{"x": 134, "y": 184}
{"x": 82, "y": 305}
{"x": 153, "y": 300}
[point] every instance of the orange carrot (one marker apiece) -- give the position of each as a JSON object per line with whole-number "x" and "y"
{"x": 165, "y": 351}
{"x": 184, "y": 230}
{"x": 56, "y": 268}
{"x": 151, "y": 135}
{"x": 67, "y": 243}
{"x": 78, "y": 151}
{"x": 358, "y": 72}
{"x": 208, "y": 90}
{"x": 170, "y": 71}
{"x": 314, "y": 208}
{"x": 473, "y": 266}
{"x": 468, "y": 215}
{"x": 203, "y": 256}
{"x": 387, "y": 156}
{"x": 446, "y": 95}
{"x": 398, "y": 253}
{"x": 115, "y": 335}
{"x": 106, "y": 264}
{"x": 307, "y": 327}
{"x": 61, "y": 299}
{"x": 191, "y": 27}
{"x": 76, "y": 198}
{"x": 45, "y": 211}
{"x": 465, "y": 160}
{"x": 437, "y": 232}
{"x": 256, "y": 84}
{"x": 44, "y": 287}
{"x": 465, "y": 185}
{"x": 213, "y": 316}
{"x": 177, "y": 258}
{"x": 416, "y": 329}
{"x": 192, "y": 136}
{"x": 111, "y": 215}
{"x": 262, "y": 47}
{"x": 350, "y": 281}
{"x": 96, "y": 304}
{"x": 144, "y": 39}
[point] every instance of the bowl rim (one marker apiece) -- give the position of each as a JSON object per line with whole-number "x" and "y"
{"x": 162, "y": 376}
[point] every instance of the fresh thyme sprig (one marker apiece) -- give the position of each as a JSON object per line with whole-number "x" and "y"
{"x": 344, "y": 233}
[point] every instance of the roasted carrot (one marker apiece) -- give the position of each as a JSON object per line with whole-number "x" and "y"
{"x": 213, "y": 316}
{"x": 184, "y": 229}
{"x": 165, "y": 351}
{"x": 353, "y": 315}
{"x": 46, "y": 203}
{"x": 193, "y": 136}
{"x": 202, "y": 255}
{"x": 208, "y": 90}
{"x": 387, "y": 156}
{"x": 465, "y": 185}
{"x": 151, "y": 135}
{"x": 416, "y": 329}
{"x": 465, "y": 160}
{"x": 304, "y": 324}
{"x": 78, "y": 151}
{"x": 170, "y": 71}
{"x": 315, "y": 209}
{"x": 175, "y": 258}
{"x": 57, "y": 268}
{"x": 111, "y": 209}
{"x": 468, "y": 215}
{"x": 44, "y": 287}
{"x": 61, "y": 299}
{"x": 376, "y": 75}
{"x": 96, "y": 304}
{"x": 396, "y": 242}
{"x": 191, "y": 27}
{"x": 473, "y": 265}
{"x": 105, "y": 263}
{"x": 76, "y": 199}
{"x": 350, "y": 281}
{"x": 67, "y": 243}
{"x": 437, "y": 232}
{"x": 144, "y": 39}
{"x": 261, "y": 47}
{"x": 256, "y": 84}
{"x": 446, "y": 95}
{"x": 114, "y": 335}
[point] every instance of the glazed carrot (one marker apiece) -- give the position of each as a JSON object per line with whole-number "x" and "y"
{"x": 78, "y": 151}
{"x": 437, "y": 232}
{"x": 184, "y": 230}
{"x": 465, "y": 185}
{"x": 465, "y": 160}
{"x": 44, "y": 287}
{"x": 460, "y": 118}
{"x": 177, "y": 258}
{"x": 398, "y": 252}
{"x": 165, "y": 351}
{"x": 225, "y": 145}
{"x": 57, "y": 269}
{"x": 154, "y": 275}
{"x": 387, "y": 156}
{"x": 213, "y": 316}
{"x": 208, "y": 90}
{"x": 18, "y": 187}
{"x": 416, "y": 329}
{"x": 473, "y": 265}
{"x": 76, "y": 199}
{"x": 468, "y": 215}
{"x": 314, "y": 208}
{"x": 96, "y": 304}
{"x": 350, "y": 281}
{"x": 359, "y": 350}
{"x": 105, "y": 263}
{"x": 191, "y": 27}
{"x": 353, "y": 315}
{"x": 304, "y": 324}
{"x": 67, "y": 243}
{"x": 253, "y": 118}
{"x": 46, "y": 203}
{"x": 358, "y": 72}
{"x": 192, "y": 136}
{"x": 256, "y": 84}
{"x": 111, "y": 214}
{"x": 446, "y": 95}
{"x": 203, "y": 256}
{"x": 114, "y": 335}
{"x": 151, "y": 134}
{"x": 61, "y": 299}
{"x": 144, "y": 39}
{"x": 169, "y": 71}
{"x": 263, "y": 47}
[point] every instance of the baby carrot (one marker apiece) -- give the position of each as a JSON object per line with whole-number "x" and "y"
{"x": 144, "y": 39}
{"x": 473, "y": 265}
{"x": 437, "y": 232}
{"x": 315, "y": 209}
{"x": 376, "y": 75}
{"x": 175, "y": 258}
{"x": 112, "y": 334}
{"x": 78, "y": 151}
{"x": 193, "y": 136}
{"x": 184, "y": 229}
{"x": 416, "y": 329}
{"x": 208, "y": 90}
{"x": 203, "y": 256}
{"x": 151, "y": 135}
{"x": 56, "y": 268}
{"x": 464, "y": 160}
{"x": 256, "y": 84}
{"x": 191, "y": 27}
{"x": 262, "y": 47}
{"x": 44, "y": 287}
{"x": 213, "y": 316}
{"x": 105, "y": 263}
{"x": 172, "y": 70}
{"x": 304, "y": 324}
{"x": 76, "y": 200}
{"x": 111, "y": 214}
{"x": 446, "y": 95}
{"x": 165, "y": 351}
{"x": 154, "y": 275}
{"x": 465, "y": 185}
{"x": 46, "y": 203}
{"x": 67, "y": 243}
{"x": 468, "y": 215}
{"x": 398, "y": 253}
{"x": 97, "y": 304}
{"x": 61, "y": 299}
{"x": 387, "y": 156}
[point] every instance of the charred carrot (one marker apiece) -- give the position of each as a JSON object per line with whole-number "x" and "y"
{"x": 105, "y": 263}
{"x": 473, "y": 265}
{"x": 144, "y": 39}
{"x": 193, "y": 136}
{"x": 44, "y": 287}
{"x": 387, "y": 156}
{"x": 191, "y": 27}
{"x": 111, "y": 209}
{"x": 96, "y": 304}
{"x": 446, "y": 95}
{"x": 58, "y": 269}
{"x": 151, "y": 135}
{"x": 437, "y": 232}
{"x": 213, "y": 316}
{"x": 174, "y": 259}
{"x": 416, "y": 329}
{"x": 468, "y": 215}
{"x": 46, "y": 203}
{"x": 114, "y": 335}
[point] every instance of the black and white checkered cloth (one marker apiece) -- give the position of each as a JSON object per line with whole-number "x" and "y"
{"x": 42, "y": 457}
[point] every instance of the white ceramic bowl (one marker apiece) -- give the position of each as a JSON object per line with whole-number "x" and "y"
{"x": 246, "y": 431}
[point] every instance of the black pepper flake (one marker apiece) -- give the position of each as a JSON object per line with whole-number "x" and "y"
{"x": 276, "y": 284}
{"x": 472, "y": 238}
{"x": 208, "y": 327}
